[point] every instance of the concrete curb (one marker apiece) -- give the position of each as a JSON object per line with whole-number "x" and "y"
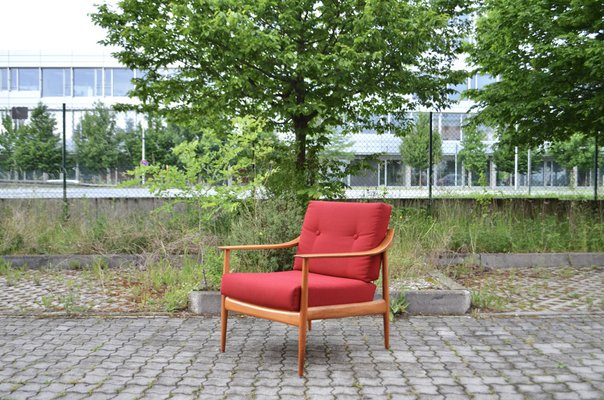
{"x": 78, "y": 261}
{"x": 454, "y": 300}
{"x": 525, "y": 260}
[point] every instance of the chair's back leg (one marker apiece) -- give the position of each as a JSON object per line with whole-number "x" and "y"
{"x": 224, "y": 314}
{"x": 387, "y": 330}
{"x": 386, "y": 296}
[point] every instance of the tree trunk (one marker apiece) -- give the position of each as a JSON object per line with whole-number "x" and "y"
{"x": 301, "y": 131}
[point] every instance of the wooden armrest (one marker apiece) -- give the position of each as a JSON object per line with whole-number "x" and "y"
{"x": 285, "y": 245}
{"x": 377, "y": 250}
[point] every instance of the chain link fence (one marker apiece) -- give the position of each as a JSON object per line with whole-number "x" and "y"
{"x": 455, "y": 171}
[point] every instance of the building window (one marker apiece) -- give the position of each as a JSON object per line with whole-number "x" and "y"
{"x": 480, "y": 81}
{"x": 56, "y": 82}
{"x": 4, "y": 79}
{"x": 28, "y": 79}
{"x": 25, "y": 79}
{"x": 458, "y": 90}
{"x": 118, "y": 81}
{"x": 87, "y": 82}
{"x": 451, "y": 126}
{"x": 122, "y": 81}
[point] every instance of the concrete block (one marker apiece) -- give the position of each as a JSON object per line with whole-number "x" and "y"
{"x": 526, "y": 260}
{"x": 586, "y": 259}
{"x": 438, "y": 302}
{"x": 206, "y": 302}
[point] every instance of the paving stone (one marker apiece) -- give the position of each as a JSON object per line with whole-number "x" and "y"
{"x": 345, "y": 360}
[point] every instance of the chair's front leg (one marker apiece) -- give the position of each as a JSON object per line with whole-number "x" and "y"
{"x": 302, "y": 323}
{"x": 224, "y": 314}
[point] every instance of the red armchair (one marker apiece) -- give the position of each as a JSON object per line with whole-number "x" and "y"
{"x": 340, "y": 250}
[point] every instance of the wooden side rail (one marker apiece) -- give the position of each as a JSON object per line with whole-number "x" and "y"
{"x": 382, "y": 247}
{"x": 291, "y": 243}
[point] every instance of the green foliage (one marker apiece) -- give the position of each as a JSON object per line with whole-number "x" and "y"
{"x": 274, "y": 220}
{"x": 416, "y": 144}
{"x": 548, "y": 56}
{"x": 215, "y": 172}
{"x": 8, "y": 141}
{"x": 504, "y": 154}
{"x": 577, "y": 151}
{"x": 304, "y": 68}
{"x": 37, "y": 147}
{"x": 96, "y": 139}
{"x": 398, "y": 305}
{"x": 160, "y": 140}
{"x": 486, "y": 299}
{"x": 474, "y": 151}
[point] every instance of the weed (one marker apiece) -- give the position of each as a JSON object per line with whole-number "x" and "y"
{"x": 398, "y": 305}
{"x": 74, "y": 265}
{"x": 485, "y": 299}
{"x": 47, "y": 302}
{"x": 5, "y": 266}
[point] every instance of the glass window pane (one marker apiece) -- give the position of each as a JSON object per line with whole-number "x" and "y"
{"x": 13, "y": 79}
{"x": 451, "y": 126}
{"x": 29, "y": 79}
{"x": 98, "y": 75}
{"x": 483, "y": 80}
{"x": 108, "y": 82}
{"x": 83, "y": 82}
{"x": 52, "y": 82}
{"x": 3, "y": 79}
{"x": 122, "y": 81}
{"x": 67, "y": 81}
{"x": 456, "y": 96}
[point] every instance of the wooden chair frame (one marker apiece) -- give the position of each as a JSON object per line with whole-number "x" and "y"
{"x": 303, "y": 318}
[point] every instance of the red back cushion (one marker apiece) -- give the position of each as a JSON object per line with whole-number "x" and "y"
{"x": 337, "y": 227}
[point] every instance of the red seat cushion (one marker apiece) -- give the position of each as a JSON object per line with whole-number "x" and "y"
{"x": 335, "y": 227}
{"x": 282, "y": 290}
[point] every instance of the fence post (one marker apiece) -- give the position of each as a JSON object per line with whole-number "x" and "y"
{"x": 430, "y": 166}
{"x": 596, "y": 151}
{"x": 63, "y": 167}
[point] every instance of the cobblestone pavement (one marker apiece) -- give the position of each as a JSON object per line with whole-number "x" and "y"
{"x": 559, "y": 357}
{"x": 62, "y": 290}
{"x": 564, "y": 289}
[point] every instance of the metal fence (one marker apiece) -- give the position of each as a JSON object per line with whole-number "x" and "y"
{"x": 389, "y": 177}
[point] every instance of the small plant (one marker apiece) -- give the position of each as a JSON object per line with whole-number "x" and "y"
{"x": 398, "y": 305}
{"x": 485, "y": 299}
{"x": 5, "y": 266}
{"x": 47, "y": 302}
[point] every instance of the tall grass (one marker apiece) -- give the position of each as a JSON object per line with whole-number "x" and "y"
{"x": 37, "y": 227}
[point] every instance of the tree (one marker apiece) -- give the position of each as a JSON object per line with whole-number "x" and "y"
{"x": 415, "y": 146}
{"x": 160, "y": 139}
{"x": 577, "y": 151}
{"x": 96, "y": 140}
{"x": 37, "y": 147}
{"x": 215, "y": 172}
{"x": 548, "y": 55}
{"x": 474, "y": 152}
{"x": 305, "y": 67}
{"x": 504, "y": 156}
{"x": 8, "y": 141}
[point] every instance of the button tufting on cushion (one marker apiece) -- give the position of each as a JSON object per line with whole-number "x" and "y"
{"x": 344, "y": 227}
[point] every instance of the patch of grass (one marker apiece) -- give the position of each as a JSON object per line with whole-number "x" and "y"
{"x": 165, "y": 285}
{"x": 486, "y": 299}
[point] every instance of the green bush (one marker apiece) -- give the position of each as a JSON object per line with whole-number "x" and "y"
{"x": 274, "y": 220}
